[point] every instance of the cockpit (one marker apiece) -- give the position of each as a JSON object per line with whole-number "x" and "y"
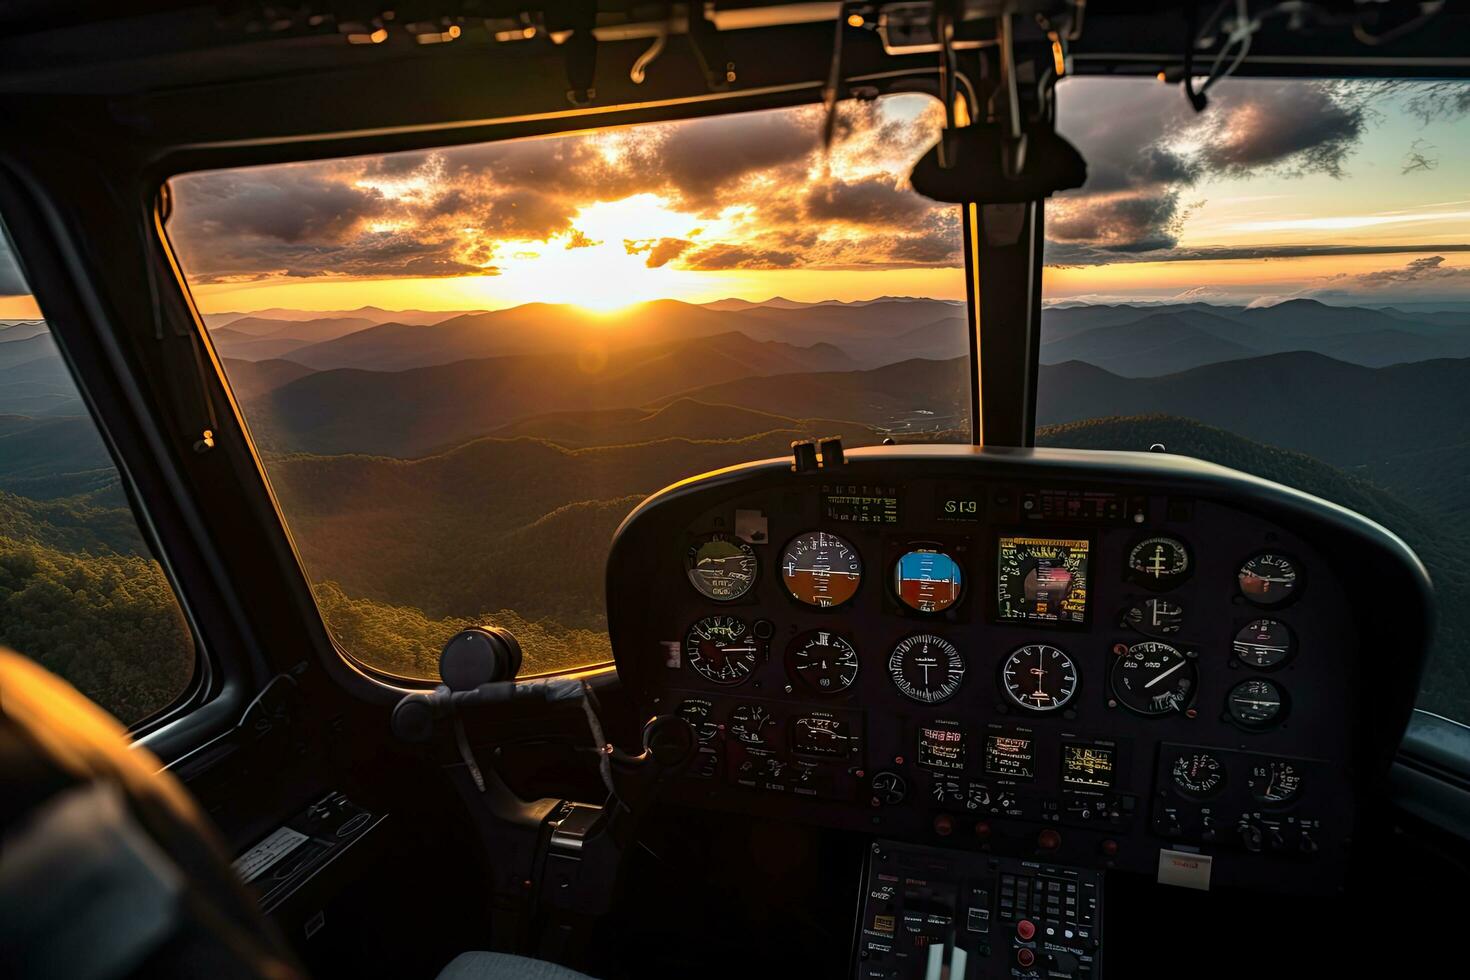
{"x": 888, "y": 491}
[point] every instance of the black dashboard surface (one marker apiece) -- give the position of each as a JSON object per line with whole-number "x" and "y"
{"x": 1048, "y": 654}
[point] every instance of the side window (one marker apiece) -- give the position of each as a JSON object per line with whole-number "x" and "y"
{"x": 79, "y": 591}
{"x": 1279, "y": 284}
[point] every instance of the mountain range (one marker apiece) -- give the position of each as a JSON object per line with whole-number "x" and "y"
{"x": 393, "y": 438}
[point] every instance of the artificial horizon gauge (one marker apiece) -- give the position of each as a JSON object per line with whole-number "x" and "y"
{"x": 927, "y": 581}
{"x": 1198, "y": 774}
{"x": 721, "y": 567}
{"x": 1039, "y": 677}
{"x": 1154, "y": 678}
{"x": 1268, "y": 579}
{"x": 926, "y": 668}
{"x": 821, "y": 569}
{"x": 1155, "y": 617}
{"x": 1159, "y": 562}
{"x": 1275, "y": 782}
{"x": 1264, "y": 643}
{"x": 1256, "y": 703}
{"x": 721, "y": 649}
{"x": 822, "y": 661}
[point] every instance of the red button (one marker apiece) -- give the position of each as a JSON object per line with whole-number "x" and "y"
{"x": 1025, "y": 929}
{"x": 982, "y": 829}
{"x": 1048, "y": 840}
{"x": 1110, "y": 847}
{"x": 1025, "y": 957}
{"x": 943, "y": 825}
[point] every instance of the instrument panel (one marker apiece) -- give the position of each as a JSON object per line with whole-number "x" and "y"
{"x": 1087, "y": 657}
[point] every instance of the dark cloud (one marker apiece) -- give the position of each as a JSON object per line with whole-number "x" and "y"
{"x": 1145, "y": 148}
{"x": 447, "y": 212}
{"x": 666, "y": 250}
{"x": 873, "y": 201}
{"x": 725, "y": 256}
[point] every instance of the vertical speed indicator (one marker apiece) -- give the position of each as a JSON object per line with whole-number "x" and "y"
{"x": 721, "y": 649}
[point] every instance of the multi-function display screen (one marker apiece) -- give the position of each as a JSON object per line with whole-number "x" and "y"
{"x": 1010, "y": 756}
{"x": 1042, "y": 580}
{"x": 1088, "y": 765}
{"x": 941, "y": 748}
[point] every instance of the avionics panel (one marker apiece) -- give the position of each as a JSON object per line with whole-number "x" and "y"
{"x": 1076, "y": 657}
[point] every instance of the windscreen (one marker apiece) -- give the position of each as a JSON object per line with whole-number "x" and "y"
{"x": 463, "y": 366}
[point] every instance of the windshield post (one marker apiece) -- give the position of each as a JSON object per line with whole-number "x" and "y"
{"x": 1003, "y": 255}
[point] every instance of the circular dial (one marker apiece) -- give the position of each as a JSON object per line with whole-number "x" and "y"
{"x": 1160, "y": 562}
{"x": 721, "y": 567}
{"x": 1255, "y": 703}
{"x": 1264, "y": 643}
{"x": 1198, "y": 774}
{"x": 1155, "y": 617}
{"x": 721, "y": 649}
{"x": 1274, "y": 782}
{"x": 821, "y": 661}
{"x": 751, "y": 725}
{"x": 697, "y": 711}
{"x": 821, "y": 569}
{"x": 927, "y": 581}
{"x": 1039, "y": 677}
{"x": 926, "y": 668}
{"x": 1153, "y": 678}
{"x": 888, "y": 788}
{"x": 1268, "y": 579}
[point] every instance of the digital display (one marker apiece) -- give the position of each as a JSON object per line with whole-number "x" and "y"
{"x": 941, "y": 748}
{"x": 860, "y": 504}
{"x": 1010, "y": 756}
{"x": 958, "y": 507}
{"x": 1042, "y": 580}
{"x": 820, "y": 734}
{"x": 1088, "y": 765}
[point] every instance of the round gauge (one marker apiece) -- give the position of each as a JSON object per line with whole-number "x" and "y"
{"x": 1268, "y": 579}
{"x": 697, "y": 711}
{"x": 1264, "y": 643}
{"x": 1153, "y": 678}
{"x": 888, "y": 788}
{"x": 1255, "y": 703}
{"x": 926, "y": 668}
{"x": 927, "y": 581}
{"x": 1039, "y": 677}
{"x": 721, "y": 649}
{"x": 1275, "y": 782}
{"x": 823, "y": 662}
{"x": 1155, "y": 617}
{"x": 721, "y": 567}
{"x": 751, "y": 724}
{"x": 1159, "y": 562}
{"x": 821, "y": 569}
{"x": 1198, "y": 774}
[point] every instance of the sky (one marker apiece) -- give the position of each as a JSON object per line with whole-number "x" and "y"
{"x": 1345, "y": 191}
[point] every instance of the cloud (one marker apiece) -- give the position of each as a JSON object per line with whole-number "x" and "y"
{"x": 1146, "y": 148}
{"x": 759, "y": 186}
{"x": 1430, "y": 268}
{"x": 725, "y": 256}
{"x": 1066, "y": 254}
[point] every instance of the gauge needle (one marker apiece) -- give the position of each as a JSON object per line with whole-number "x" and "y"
{"x": 1164, "y": 674}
